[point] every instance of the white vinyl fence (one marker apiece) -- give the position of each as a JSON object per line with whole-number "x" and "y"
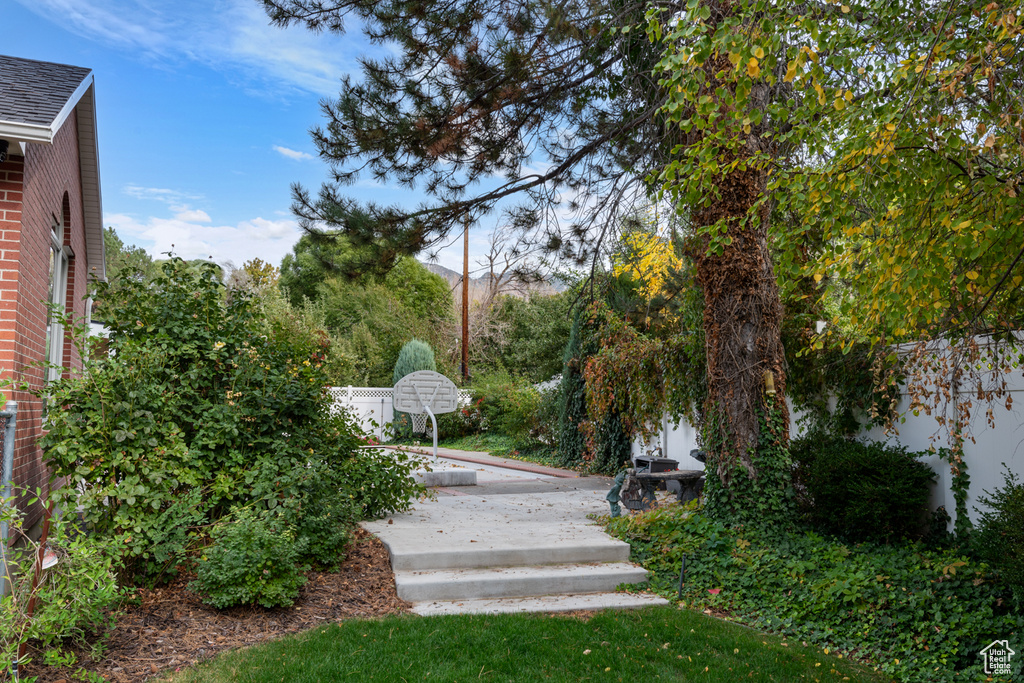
{"x": 993, "y": 446}
{"x": 373, "y": 411}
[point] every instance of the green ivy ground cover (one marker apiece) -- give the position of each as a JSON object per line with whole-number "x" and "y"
{"x": 918, "y": 614}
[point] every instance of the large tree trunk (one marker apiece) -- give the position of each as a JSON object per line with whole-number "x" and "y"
{"x": 746, "y": 421}
{"x": 742, "y": 327}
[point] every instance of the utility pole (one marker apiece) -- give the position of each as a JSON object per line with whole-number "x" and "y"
{"x": 465, "y": 302}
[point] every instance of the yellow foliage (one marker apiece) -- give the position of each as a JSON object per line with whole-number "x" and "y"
{"x": 648, "y": 262}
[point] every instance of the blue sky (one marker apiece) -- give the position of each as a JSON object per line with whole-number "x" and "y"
{"x": 203, "y": 112}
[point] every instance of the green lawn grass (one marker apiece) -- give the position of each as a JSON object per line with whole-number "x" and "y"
{"x": 503, "y": 447}
{"x": 652, "y": 644}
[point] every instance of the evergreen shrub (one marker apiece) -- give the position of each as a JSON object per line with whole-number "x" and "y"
{"x": 1000, "y": 535}
{"x": 861, "y": 491}
{"x": 415, "y": 355}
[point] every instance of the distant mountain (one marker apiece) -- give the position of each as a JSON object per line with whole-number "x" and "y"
{"x": 446, "y": 273}
{"x": 478, "y": 285}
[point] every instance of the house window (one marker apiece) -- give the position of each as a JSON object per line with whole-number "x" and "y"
{"x": 58, "y": 300}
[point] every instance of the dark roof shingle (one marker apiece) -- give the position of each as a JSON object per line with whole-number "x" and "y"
{"x": 35, "y": 92}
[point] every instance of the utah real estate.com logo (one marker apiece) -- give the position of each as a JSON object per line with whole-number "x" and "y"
{"x": 997, "y": 658}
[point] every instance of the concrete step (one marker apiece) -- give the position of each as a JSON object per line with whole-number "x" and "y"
{"x": 546, "y": 603}
{"x": 515, "y": 582}
{"x": 527, "y": 553}
{"x": 445, "y": 477}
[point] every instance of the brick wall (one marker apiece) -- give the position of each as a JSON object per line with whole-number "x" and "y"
{"x": 43, "y": 185}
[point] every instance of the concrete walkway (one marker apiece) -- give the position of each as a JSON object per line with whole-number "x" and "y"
{"x": 485, "y": 458}
{"x": 518, "y": 540}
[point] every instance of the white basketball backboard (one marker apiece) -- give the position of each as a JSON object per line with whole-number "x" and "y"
{"x": 426, "y": 388}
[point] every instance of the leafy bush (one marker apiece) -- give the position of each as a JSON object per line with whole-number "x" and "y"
{"x": 545, "y": 419}
{"x": 1000, "y": 534}
{"x": 861, "y": 491}
{"x": 325, "y": 523}
{"x": 204, "y": 405}
{"x": 462, "y": 422}
{"x": 513, "y": 407}
{"x": 74, "y": 598}
{"x": 506, "y": 404}
{"x": 922, "y": 615}
{"x": 254, "y": 559}
{"x": 380, "y": 481}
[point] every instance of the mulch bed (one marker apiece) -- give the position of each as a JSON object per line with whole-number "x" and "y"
{"x": 170, "y": 628}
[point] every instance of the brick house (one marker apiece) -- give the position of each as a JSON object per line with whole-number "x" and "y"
{"x": 51, "y": 233}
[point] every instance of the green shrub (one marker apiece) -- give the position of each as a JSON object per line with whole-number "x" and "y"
{"x": 1000, "y": 534}
{"x": 921, "y": 615}
{"x": 380, "y": 481}
{"x": 325, "y": 524}
{"x": 254, "y": 559}
{"x": 459, "y": 423}
{"x": 861, "y": 491}
{"x": 74, "y": 599}
{"x": 505, "y": 403}
{"x": 415, "y": 355}
{"x": 205, "y": 405}
{"x": 515, "y": 408}
{"x": 546, "y": 418}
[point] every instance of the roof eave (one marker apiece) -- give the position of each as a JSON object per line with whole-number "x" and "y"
{"x": 21, "y": 133}
{"x": 92, "y": 200}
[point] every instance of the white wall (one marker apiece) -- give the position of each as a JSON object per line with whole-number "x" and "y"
{"x": 370, "y": 406}
{"x": 676, "y": 441}
{"x": 993, "y": 446}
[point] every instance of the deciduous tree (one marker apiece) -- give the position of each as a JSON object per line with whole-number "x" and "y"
{"x": 889, "y": 138}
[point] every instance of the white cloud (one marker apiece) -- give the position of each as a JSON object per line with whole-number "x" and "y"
{"x": 103, "y": 21}
{"x": 192, "y": 216}
{"x": 291, "y": 153}
{"x": 293, "y": 55}
{"x": 160, "y": 194}
{"x": 257, "y": 237}
{"x": 233, "y": 34}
